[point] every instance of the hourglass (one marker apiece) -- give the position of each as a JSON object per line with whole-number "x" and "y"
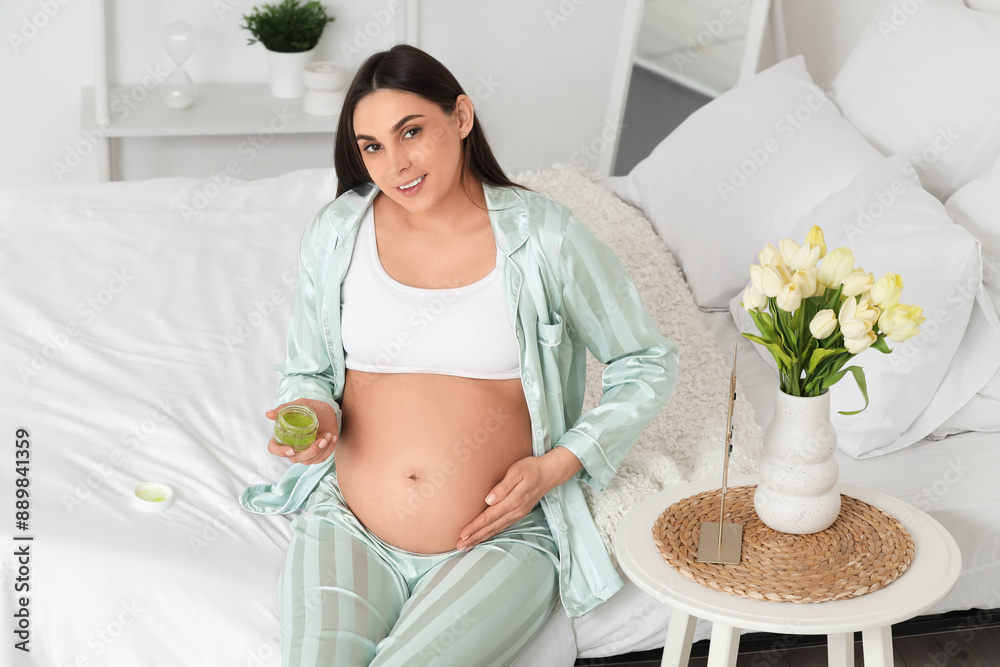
{"x": 178, "y": 89}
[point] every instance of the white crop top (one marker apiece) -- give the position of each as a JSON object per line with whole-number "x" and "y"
{"x": 389, "y": 327}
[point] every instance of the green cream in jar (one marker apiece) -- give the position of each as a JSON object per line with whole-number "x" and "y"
{"x": 296, "y": 426}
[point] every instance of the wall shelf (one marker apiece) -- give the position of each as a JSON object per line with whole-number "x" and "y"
{"x": 219, "y": 109}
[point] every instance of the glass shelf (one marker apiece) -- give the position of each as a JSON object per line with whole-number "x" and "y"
{"x": 219, "y": 109}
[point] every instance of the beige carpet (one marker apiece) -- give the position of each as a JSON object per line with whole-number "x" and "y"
{"x": 684, "y": 442}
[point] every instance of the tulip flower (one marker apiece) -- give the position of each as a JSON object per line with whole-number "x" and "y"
{"x": 858, "y": 282}
{"x": 756, "y": 272}
{"x": 789, "y": 297}
{"x": 866, "y": 311}
{"x": 798, "y": 257}
{"x": 836, "y": 265}
{"x": 859, "y": 345}
{"x": 901, "y": 322}
{"x": 823, "y": 324}
{"x": 848, "y": 308}
{"x": 855, "y": 327}
{"x": 886, "y": 292}
{"x": 815, "y": 238}
{"x": 769, "y": 255}
{"x": 807, "y": 280}
{"x": 753, "y": 299}
{"x": 853, "y": 319}
{"x": 773, "y": 278}
{"x": 788, "y": 248}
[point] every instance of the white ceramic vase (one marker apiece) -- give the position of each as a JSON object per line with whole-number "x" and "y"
{"x": 797, "y": 492}
{"x": 285, "y": 72}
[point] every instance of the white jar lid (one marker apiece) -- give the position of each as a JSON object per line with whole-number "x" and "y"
{"x": 153, "y": 496}
{"x": 325, "y": 76}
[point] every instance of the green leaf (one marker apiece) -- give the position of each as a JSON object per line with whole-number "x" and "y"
{"x": 819, "y": 355}
{"x": 881, "y": 345}
{"x": 797, "y": 318}
{"x": 783, "y": 360}
{"x": 772, "y": 307}
{"x": 859, "y": 377}
{"x": 829, "y": 365}
{"x": 783, "y": 325}
{"x": 833, "y": 298}
{"x": 813, "y": 386}
{"x": 764, "y": 322}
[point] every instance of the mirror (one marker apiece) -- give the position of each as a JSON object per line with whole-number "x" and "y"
{"x": 705, "y": 45}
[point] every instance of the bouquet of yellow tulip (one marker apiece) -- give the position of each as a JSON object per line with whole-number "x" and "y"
{"x": 814, "y": 319}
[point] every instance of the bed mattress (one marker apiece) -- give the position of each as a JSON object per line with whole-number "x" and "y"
{"x": 119, "y": 376}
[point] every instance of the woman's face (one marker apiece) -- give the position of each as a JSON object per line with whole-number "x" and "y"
{"x": 412, "y": 149}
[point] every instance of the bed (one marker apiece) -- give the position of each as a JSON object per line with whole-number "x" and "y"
{"x": 144, "y": 322}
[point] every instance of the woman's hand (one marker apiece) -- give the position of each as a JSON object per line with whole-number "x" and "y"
{"x": 526, "y": 481}
{"x": 322, "y": 447}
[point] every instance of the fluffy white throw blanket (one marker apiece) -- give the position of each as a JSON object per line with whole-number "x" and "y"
{"x": 684, "y": 442}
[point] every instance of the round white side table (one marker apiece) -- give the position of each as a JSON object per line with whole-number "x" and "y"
{"x": 931, "y": 576}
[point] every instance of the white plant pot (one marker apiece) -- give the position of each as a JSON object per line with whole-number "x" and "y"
{"x": 285, "y": 72}
{"x": 797, "y": 492}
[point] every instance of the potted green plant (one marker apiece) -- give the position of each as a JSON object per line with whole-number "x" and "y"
{"x": 290, "y": 31}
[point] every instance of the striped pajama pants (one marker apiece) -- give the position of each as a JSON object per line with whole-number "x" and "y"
{"x": 347, "y": 598}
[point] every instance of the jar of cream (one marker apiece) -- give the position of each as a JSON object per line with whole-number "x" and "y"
{"x": 296, "y": 426}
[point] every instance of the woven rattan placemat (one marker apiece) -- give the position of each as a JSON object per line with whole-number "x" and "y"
{"x": 864, "y": 550}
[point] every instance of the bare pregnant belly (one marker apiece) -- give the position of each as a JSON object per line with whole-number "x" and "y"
{"x": 419, "y": 452}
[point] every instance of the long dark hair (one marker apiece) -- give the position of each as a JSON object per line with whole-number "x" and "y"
{"x": 407, "y": 68}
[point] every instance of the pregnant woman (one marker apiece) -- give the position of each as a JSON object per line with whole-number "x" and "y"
{"x": 439, "y": 331}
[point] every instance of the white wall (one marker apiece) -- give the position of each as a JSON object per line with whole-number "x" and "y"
{"x": 825, "y": 31}
{"x": 42, "y": 70}
{"x": 46, "y": 57}
{"x": 549, "y": 76}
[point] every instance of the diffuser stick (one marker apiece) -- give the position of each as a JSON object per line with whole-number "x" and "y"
{"x": 729, "y": 536}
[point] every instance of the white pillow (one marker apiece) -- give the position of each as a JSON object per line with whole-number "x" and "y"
{"x": 985, "y": 5}
{"x": 925, "y": 84}
{"x": 981, "y": 413}
{"x": 976, "y": 206}
{"x": 742, "y": 170}
{"x": 893, "y": 225}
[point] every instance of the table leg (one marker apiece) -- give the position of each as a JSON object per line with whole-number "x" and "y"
{"x": 840, "y": 650}
{"x": 680, "y": 632}
{"x": 878, "y": 647}
{"x": 725, "y": 644}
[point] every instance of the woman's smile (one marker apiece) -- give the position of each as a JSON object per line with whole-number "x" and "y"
{"x": 413, "y": 187}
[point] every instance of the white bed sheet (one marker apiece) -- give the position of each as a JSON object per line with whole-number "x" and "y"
{"x": 145, "y": 322}
{"x": 180, "y": 296}
{"x": 165, "y": 376}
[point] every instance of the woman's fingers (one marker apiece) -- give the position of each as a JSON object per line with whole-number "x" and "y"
{"x": 278, "y": 449}
{"x": 273, "y": 412}
{"x": 315, "y": 453}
